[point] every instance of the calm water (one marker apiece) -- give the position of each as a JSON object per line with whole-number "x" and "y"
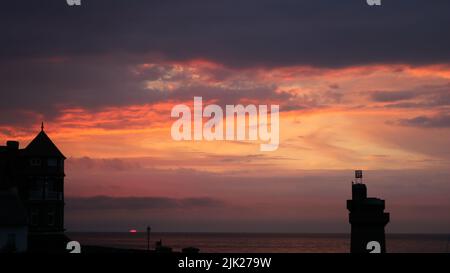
{"x": 248, "y": 242}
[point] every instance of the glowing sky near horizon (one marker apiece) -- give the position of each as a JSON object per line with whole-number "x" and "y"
{"x": 358, "y": 88}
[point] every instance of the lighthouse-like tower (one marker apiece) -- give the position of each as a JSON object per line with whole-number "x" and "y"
{"x": 367, "y": 218}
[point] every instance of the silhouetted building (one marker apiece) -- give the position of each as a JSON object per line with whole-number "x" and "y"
{"x": 36, "y": 173}
{"x": 367, "y": 218}
{"x": 13, "y": 223}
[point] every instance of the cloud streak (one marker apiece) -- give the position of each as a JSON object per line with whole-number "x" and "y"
{"x": 437, "y": 121}
{"x": 139, "y": 203}
{"x": 391, "y": 96}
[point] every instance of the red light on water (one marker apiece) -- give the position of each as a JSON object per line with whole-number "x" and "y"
{"x": 133, "y": 231}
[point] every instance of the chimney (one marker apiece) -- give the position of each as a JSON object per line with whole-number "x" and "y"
{"x": 12, "y": 145}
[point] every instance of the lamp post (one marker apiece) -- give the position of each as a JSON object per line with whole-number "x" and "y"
{"x": 148, "y": 238}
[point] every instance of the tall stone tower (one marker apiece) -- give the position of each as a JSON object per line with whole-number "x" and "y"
{"x": 367, "y": 218}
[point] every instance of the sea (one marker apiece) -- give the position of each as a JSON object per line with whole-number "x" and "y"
{"x": 262, "y": 242}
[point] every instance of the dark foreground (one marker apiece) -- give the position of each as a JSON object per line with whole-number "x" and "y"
{"x": 261, "y": 242}
{"x": 178, "y": 262}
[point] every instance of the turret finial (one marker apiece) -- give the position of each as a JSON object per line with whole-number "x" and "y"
{"x": 42, "y": 126}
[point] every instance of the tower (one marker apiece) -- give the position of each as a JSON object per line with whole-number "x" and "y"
{"x": 42, "y": 185}
{"x": 35, "y": 175}
{"x": 367, "y": 217}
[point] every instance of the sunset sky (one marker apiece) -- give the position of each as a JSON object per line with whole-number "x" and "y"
{"x": 359, "y": 87}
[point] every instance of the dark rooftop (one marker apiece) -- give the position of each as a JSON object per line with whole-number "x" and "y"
{"x": 42, "y": 145}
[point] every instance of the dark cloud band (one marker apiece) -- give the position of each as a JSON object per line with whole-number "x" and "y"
{"x": 233, "y": 32}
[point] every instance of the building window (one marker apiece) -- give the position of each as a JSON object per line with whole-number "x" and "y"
{"x": 34, "y": 217}
{"x": 11, "y": 242}
{"x": 51, "y": 192}
{"x": 51, "y": 217}
{"x": 37, "y": 189}
{"x": 35, "y": 162}
{"x": 52, "y": 162}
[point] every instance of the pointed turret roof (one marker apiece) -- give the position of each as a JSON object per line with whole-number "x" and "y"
{"x": 42, "y": 145}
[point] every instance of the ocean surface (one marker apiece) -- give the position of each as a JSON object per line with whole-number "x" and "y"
{"x": 262, "y": 243}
